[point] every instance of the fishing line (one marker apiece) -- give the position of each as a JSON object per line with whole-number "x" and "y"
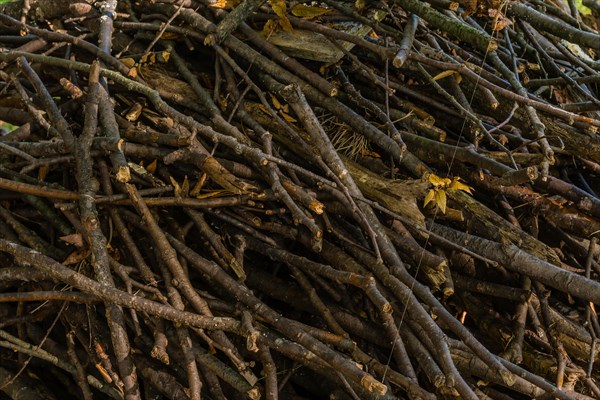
{"x": 418, "y": 267}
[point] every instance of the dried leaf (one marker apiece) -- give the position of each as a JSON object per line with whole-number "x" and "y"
{"x": 558, "y": 201}
{"x": 288, "y": 117}
{"x": 276, "y": 102}
{"x": 440, "y": 200}
{"x": 214, "y": 193}
{"x": 76, "y": 239}
{"x": 444, "y": 74}
{"x": 369, "y": 153}
{"x": 438, "y": 182}
{"x": 198, "y": 186}
{"x": 176, "y": 187}
{"x": 309, "y": 12}
{"x": 280, "y": 8}
{"x": 151, "y": 168}
{"x": 144, "y": 58}
{"x": 500, "y": 20}
{"x": 222, "y": 4}
{"x": 128, "y": 61}
{"x": 264, "y": 109}
{"x": 225, "y": 4}
{"x": 185, "y": 187}
{"x": 270, "y": 27}
{"x": 285, "y": 24}
{"x": 502, "y": 23}
{"x": 458, "y": 77}
{"x": 77, "y": 256}
{"x": 561, "y": 95}
{"x": 458, "y": 185}
{"x": 170, "y": 36}
{"x": 470, "y": 7}
{"x": 429, "y": 198}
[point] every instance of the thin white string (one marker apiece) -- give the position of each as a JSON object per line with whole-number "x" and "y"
{"x": 407, "y": 300}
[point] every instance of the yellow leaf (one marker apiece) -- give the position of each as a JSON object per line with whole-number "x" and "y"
{"x": 286, "y": 24}
{"x": 429, "y": 198}
{"x": 152, "y": 167}
{"x": 443, "y": 74}
{"x": 458, "y": 77}
{"x": 269, "y": 28}
{"x": 176, "y": 187}
{"x": 128, "y": 61}
{"x": 288, "y": 117}
{"x": 225, "y": 4}
{"x": 198, "y": 186}
{"x": 308, "y": 12}
{"x": 263, "y": 109}
{"x": 438, "y": 182}
{"x": 440, "y": 200}
{"x": 219, "y": 4}
{"x": 170, "y": 36}
{"x": 185, "y": 187}
{"x": 458, "y": 185}
{"x": 275, "y": 101}
{"x": 279, "y": 8}
{"x": 214, "y": 193}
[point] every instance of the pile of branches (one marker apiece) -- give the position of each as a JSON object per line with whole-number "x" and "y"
{"x": 370, "y": 200}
